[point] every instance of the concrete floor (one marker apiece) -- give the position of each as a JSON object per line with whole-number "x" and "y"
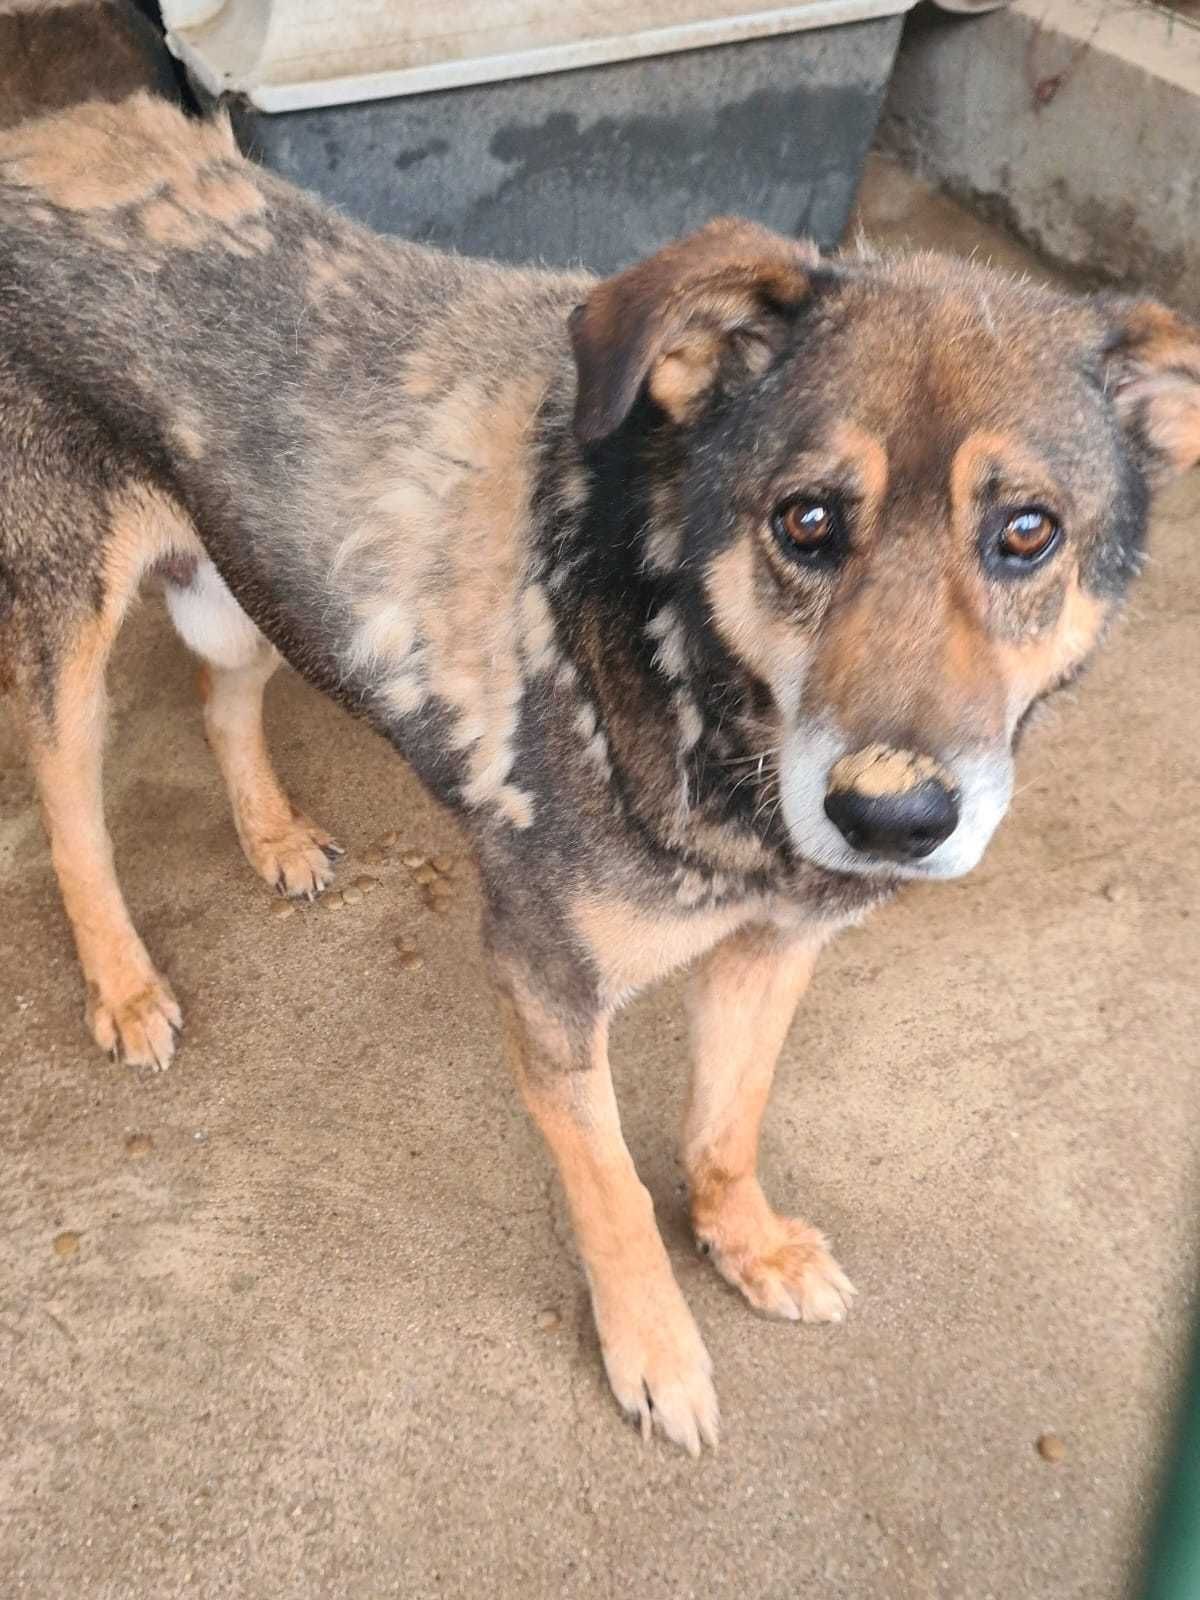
{"x": 305, "y": 1345}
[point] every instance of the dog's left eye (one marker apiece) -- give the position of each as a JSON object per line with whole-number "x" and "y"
{"x": 1028, "y": 535}
{"x": 806, "y": 526}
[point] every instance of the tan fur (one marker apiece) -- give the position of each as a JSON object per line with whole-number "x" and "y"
{"x": 165, "y": 222}
{"x": 681, "y": 377}
{"x": 483, "y": 627}
{"x": 866, "y": 457}
{"x": 330, "y": 271}
{"x": 649, "y": 1341}
{"x": 223, "y": 195}
{"x": 103, "y": 157}
{"x": 755, "y": 634}
{"x": 740, "y": 1006}
{"x": 188, "y": 436}
{"x": 284, "y": 848}
{"x": 878, "y": 770}
{"x": 1158, "y": 375}
{"x": 130, "y": 1007}
{"x": 632, "y": 947}
{"x": 1030, "y": 666}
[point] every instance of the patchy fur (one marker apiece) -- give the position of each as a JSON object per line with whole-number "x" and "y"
{"x": 551, "y": 538}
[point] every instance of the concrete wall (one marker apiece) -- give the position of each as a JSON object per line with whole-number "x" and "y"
{"x": 1076, "y": 123}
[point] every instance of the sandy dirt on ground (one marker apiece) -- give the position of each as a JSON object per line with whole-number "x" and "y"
{"x": 300, "y": 1318}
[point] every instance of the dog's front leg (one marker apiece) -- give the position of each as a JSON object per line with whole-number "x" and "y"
{"x": 653, "y": 1353}
{"x": 740, "y": 1006}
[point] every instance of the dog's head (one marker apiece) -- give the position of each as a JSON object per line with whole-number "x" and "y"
{"x": 907, "y": 495}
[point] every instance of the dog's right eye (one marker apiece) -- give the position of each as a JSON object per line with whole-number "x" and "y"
{"x": 807, "y": 526}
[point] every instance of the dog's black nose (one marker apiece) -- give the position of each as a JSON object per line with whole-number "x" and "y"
{"x": 900, "y": 824}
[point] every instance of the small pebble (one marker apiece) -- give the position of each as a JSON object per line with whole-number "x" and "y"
{"x": 334, "y": 901}
{"x": 366, "y": 883}
{"x": 375, "y": 855}
{"x": 390, "y": 839}
{"x": 200, "y": 1136}
{"x": 410, "y": 959}
{"x": 66, "y": 1244}
{"x": 138, "y": 1145}
{"x": 283, "y": 908}
{"x": 413, "y": 862}
{"x": 425, "y": 874}
{"x": 549, "y": 1319}
{"x": 352, "y": 895}
{"x": 1051, "y": 1448}
{"x": 436, "y": 900}
{"x": 1114, "y": 890}
{"x": 442, "y": 864}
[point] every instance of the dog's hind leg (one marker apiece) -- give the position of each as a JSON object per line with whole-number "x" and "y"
{"x": 130, "y": 1008}
{"x": 289, "y": 851}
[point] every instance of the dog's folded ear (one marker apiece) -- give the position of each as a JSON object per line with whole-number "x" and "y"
{"x": 709, "y": 308}
{"x": 1153, "y": 375}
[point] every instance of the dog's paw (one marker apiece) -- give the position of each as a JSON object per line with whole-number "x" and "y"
{"x": 657, "y": 1365}
{"x": 297, "y": 862}
{"x": 781, "y": 1265}
{"x": 139, "y": 1029}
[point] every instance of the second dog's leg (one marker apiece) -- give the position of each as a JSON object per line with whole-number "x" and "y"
{"x": 740, "y": 1006}
{"x": 286, "y": 849}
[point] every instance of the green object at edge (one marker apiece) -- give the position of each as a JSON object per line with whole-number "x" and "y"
{"x": 1173, "y": 1565}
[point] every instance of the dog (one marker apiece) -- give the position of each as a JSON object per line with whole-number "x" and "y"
{"x": 710, "y": 597}
{"x": 55, "y": 54}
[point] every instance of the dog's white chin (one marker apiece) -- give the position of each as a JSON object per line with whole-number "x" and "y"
{"x": 984, "y": 784}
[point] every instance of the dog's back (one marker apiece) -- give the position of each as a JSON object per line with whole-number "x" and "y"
{"x": 222, "y": 322}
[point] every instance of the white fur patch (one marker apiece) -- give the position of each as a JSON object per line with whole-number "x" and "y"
{"x": 515, "y": 804}
{"x": 537, "y": 630}
{"x": 671, "y": 655}
{"x": 406, "y": 692}
{"x": 209, "y": 621}
{"x": 387, "y": 633}
{"x": 690, "y": 887}
{"x": 691, "y": 724}
{"x": 597, "y": 753}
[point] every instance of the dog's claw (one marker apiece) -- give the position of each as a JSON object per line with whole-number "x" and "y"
{"x": 297, "y": 863}
{"x": 643, "y": 1415}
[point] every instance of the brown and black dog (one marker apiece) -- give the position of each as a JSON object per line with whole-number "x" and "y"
{"x": 710, "y": 597}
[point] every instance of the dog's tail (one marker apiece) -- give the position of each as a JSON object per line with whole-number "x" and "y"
{"x": 58, "y": 53}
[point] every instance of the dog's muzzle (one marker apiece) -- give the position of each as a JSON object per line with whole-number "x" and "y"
{"x": 880, "y": 809}
{"x": 894, "y": 805}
